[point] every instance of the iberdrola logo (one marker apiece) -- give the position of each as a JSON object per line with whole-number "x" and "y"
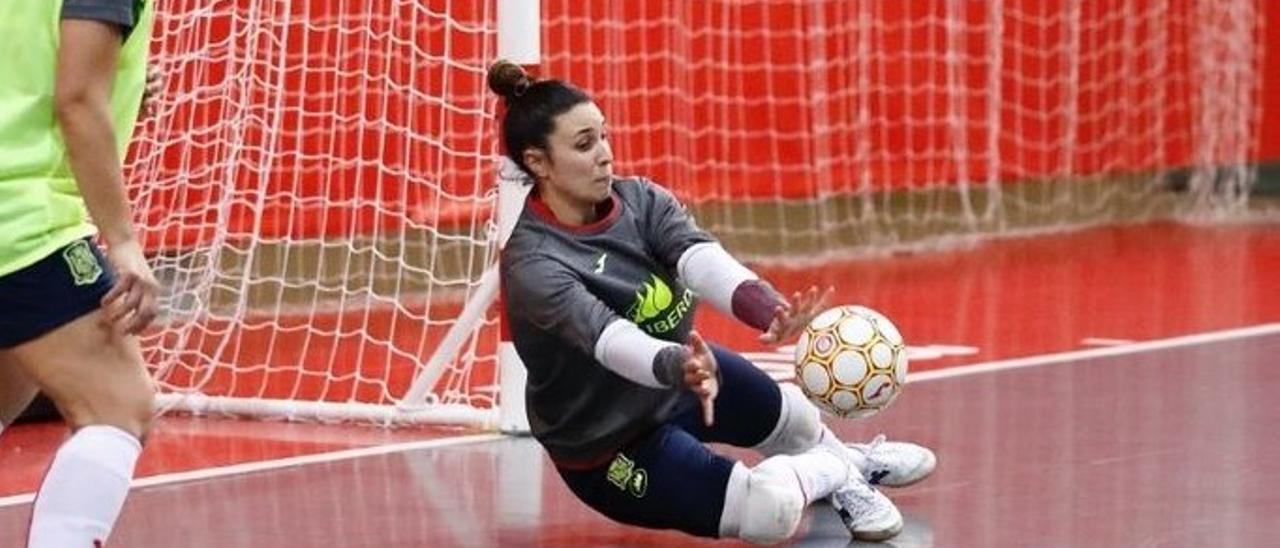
{"x": 651, "y": 300}
{"x": 656, "y": 309}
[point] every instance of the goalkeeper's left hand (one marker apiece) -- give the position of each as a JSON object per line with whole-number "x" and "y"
{"x": 792, "y": 317}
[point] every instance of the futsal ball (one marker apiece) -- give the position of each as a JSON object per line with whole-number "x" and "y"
{"x": 851, "y": 361}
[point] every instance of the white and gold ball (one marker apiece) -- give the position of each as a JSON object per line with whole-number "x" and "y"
{"x": 851, "y": 361}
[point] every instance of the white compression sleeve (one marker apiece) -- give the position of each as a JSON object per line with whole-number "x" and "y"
{"x": 630, "y": 352}
{"x": 799, "y": 425}
{"x": 713, "y": 274}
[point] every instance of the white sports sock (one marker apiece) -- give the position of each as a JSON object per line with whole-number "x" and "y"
{"x": 820, "y": 472}
{"x": 833, "y": 444}
{"x": 765, "y": 503}
{"x": 84, "y": 489}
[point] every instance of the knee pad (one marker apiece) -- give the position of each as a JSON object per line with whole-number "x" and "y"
{"x": 763, "y": 505}
{"x": 799, "y": 425}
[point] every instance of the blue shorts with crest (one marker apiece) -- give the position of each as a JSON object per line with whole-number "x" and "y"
{"x": 669, "y": 478}
{"x": 54, "y": 291}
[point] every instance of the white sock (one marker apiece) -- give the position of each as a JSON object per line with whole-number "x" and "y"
{"x": 819, "y": 471}
{"x": 84, "y": 489}
{"x": 833, "y": 444}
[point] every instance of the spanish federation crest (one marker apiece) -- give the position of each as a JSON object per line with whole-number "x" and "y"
{"x": 81, "y": 263}
{"x": 624, "y": 474}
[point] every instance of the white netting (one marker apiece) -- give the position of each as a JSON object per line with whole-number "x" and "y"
{"x": 318, "y": 187}
{"x": 834, "y": 125}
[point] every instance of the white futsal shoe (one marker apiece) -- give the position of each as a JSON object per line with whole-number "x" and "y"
{"x": 866, "y": 512}
{"x": 895, "y": 463}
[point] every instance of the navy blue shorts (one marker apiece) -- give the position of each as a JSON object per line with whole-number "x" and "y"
{"x": 668, "y": 479}
{"x": 58, "y": 289}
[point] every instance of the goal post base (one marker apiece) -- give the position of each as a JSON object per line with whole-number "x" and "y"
{"x": 319, "y": 411}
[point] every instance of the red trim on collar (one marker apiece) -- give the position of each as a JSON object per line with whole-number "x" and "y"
{"x": 540, "y": 208}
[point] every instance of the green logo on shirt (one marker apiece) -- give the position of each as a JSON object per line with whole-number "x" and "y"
{"x": 653, "y": 310}
{"x": 651, "y": 300}
{"x": 81, "y": 263}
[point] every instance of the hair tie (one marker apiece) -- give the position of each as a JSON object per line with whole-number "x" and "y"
{"x": 521, "y": 87}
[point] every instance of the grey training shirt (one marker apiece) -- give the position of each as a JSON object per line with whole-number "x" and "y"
{"x": 564, "y": 284}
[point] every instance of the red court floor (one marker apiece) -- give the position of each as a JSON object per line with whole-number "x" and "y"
{"x": 1120, "y": 443}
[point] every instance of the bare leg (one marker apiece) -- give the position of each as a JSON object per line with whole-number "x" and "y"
{"x": 99, "y": 382}
{"x": 16, "y": 391}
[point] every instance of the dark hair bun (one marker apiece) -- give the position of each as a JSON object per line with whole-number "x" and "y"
{"x": 508, "y": 79}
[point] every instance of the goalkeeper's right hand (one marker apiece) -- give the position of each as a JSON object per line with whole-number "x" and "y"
{"x": 702, "y": 375}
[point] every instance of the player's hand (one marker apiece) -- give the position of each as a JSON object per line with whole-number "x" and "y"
{"x": 790, "y": 319}
{"x": 702, "y": 375}
{"x": 155, "y": 85}
{"x": 131, "y": 304}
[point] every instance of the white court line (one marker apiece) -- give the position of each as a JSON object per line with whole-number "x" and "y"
{"x": 988, "y": 367}
{"x": 1103, "y": 341}
{"x": 259, "y": 466}
{"x": 1135, "y": 348}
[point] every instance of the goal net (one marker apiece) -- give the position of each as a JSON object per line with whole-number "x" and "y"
{"x": 318, "y": 191}
{"x": 820, "y": 128}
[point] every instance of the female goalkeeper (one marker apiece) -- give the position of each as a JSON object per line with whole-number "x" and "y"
{"x": 72, "y": 86}
{"x": 601, "y": 276}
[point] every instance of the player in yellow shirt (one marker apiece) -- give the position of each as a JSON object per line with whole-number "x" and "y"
{"x": 74, "y": 76}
